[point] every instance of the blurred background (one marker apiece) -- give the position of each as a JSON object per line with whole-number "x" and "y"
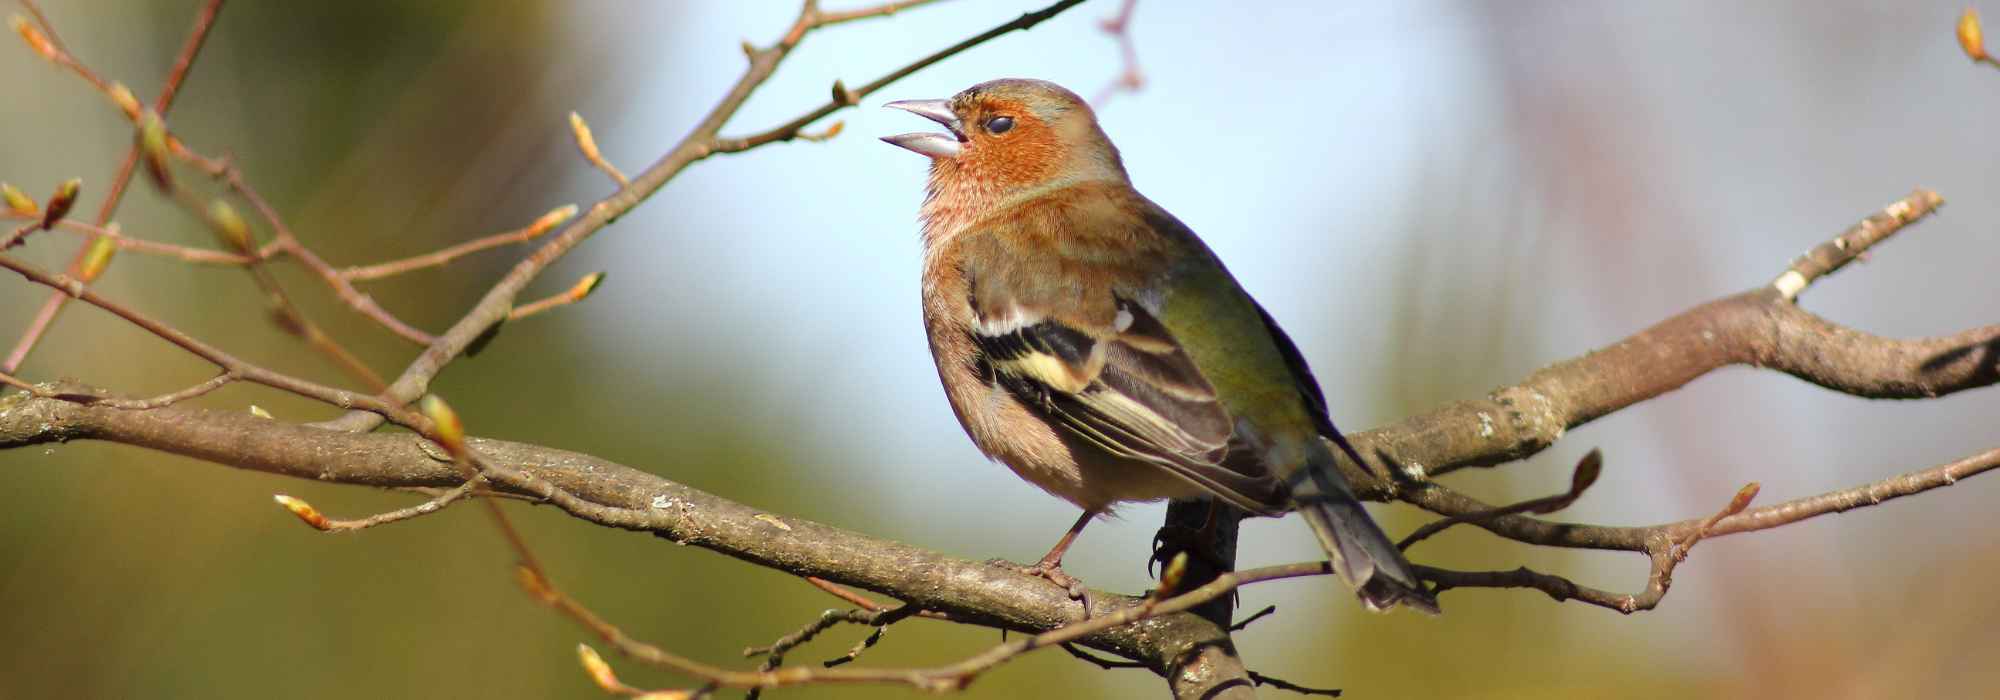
{"x": 1435, "y": 198}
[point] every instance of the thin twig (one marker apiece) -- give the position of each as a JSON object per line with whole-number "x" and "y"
{"x": 828, "y": 19}
{"x": 306, "y": 512}
{"x": 774, "y": 653}
{"x": 1281, "y": 684}
{"x": 1245, "y": 622}
{"x": 1827, "y": 258}
{"x": 1665, "y": 546}
{"x": 439, "y": 258}
{"x": 577, "y": 292}
{"x": 1129, "y": 79}
{"x": 842, "y": 592}
{"x": 191, "y": 254}
{"x": 1581, "y": 478}
{"x": 844, "y": 98}
{"x": 1099, "y": 661}
{"x": 168, "y": 399}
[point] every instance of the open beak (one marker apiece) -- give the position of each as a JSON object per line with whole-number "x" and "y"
{"x": 930, "y": 143}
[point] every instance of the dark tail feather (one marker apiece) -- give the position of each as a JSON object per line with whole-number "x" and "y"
{"x": 1362, "y": 555}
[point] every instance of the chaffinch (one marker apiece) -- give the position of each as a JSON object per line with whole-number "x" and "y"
{"x": 1088, "y": 340}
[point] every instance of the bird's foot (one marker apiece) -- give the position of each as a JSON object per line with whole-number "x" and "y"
{"x": 1197, "y": 542}
{"x": 1053, "y": 571}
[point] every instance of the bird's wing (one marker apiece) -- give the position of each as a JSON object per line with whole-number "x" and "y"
{"x": 1128, "y": 387}
{"x": 1308, "y": 387}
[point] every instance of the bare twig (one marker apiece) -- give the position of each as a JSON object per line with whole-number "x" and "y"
{"x": 168, "y": 399}
{"x": 577, "y": 292}
{"x": 1129, "y": 79}
{"x": 827, "y": 19}
{"x": 864, "y": 602}
{"x": 841, "y": 592}
{"x": 844, "y": 97}
{"x": 1585, "y": 474}
{"x": 312, "y": 517}
{"x": 191, "y": 254}
{"x": 1663, "y": 547}
{"x": 1099, "y": 661}
{"x": 1281, "y": 684}
{"x": 1244, "y": 623}
{"x": 774, "y": 654}
{"x": 539, "y": 228}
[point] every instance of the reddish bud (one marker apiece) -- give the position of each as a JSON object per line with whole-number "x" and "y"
{"x": 61, "y": 202}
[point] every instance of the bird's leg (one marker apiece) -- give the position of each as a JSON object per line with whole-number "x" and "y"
{"x": 1198, "y": 542}
{"x": 1050, "y": 567}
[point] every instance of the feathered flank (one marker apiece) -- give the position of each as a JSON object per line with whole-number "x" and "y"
{"x": 1091, "y": 342}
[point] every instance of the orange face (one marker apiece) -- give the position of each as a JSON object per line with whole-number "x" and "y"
{"x": 1010, "y": 134}
{"x": 1007, "y": 145}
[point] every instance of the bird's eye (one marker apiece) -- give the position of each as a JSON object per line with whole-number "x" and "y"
{"x": 999, "y": 125}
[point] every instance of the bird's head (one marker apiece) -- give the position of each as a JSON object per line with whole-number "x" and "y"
{"x": 1010, "y": 137}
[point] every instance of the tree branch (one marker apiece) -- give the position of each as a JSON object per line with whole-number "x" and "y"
{"x": 618, "y": 496}
{"x": 1184, "y": 637}
{"x": 1760, "y": 327}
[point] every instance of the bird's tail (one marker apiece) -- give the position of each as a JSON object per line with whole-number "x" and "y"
{"x": 1362, "y": 555}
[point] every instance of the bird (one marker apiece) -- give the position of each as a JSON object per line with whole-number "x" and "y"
{"x": 1089, "y": 341}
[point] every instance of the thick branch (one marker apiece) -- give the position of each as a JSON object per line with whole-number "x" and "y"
{"x": 1760, "y": 328}
{"x": 965, "y": 590}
